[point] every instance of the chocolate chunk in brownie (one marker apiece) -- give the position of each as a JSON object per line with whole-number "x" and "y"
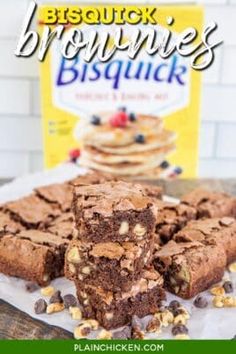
{"x": 114, "y": 265}
{"x": 190, "y": 267}
{"x": 63, "y": 226}
{"x": 171, "y": 218}
{"x": 211, "y": 204}
{"x": 217, "y": 230}
{"x": 32, "y": 211}
{"x": 116, "y": 309}
{"x": 7, "y": 225}
{"x": 33, "y": 255}
{"x": 59, "y": 193}
{"x": 113, "y": 211}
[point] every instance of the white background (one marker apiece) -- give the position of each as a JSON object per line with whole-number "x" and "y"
{"x": 20, "y": 125}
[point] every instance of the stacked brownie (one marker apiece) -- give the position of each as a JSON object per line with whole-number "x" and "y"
{"x": 109, "y": 260}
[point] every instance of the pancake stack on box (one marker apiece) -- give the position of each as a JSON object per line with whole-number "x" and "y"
{"x": 109, "y": 260}
{"x": 126, "y": 144}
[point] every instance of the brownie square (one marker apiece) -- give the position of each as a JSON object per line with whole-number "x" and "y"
{"x": 58, "y": 193}
{"x": 217, "y": 230}
{"x": 190, "y": 267}
{"x": 31, "y": 211}
{"x": 211, "y": 204}
{"x": 33, "y": 255}
{"x": 113, "y": 265}
{"x": 113, "y": 211}
{"x": 115, "y": 309}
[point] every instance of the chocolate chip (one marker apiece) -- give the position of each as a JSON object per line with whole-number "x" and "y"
{"x": 56, "y": 298}
{"x": 200, "y": 302}
{"x": 228, "y": 286}
{"x": 173, "y": 305}
{"x": 40, "y": 306}
{"x": 179, "y": 329}
{"x": 31, "y": 287}
{"x": 95, "y": 120}
{"x": 125, "y": 333}
{"x": 69, "y": 301}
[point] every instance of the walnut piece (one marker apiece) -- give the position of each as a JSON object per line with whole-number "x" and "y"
{"x": 55, "y": 307}
{"x": 47, "y": 291}
{"x": 75, "y": 313}
{"x": 139, "y": 230}
{"x": 73, "y": 255}
{"x": 124, "y": 228}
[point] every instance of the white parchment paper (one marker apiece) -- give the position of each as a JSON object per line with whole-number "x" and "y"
{"x": 209, "y": 323}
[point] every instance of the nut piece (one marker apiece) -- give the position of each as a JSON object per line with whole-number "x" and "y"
{"x": 139, "y": 230}
{"x": 180, "y": 319}
{"x": 124, "y": 228}
{"x": 218, "y": 301}
{"x": 104, "y": 334}
{"x": 154, "y": 325}
{"x": 109, "y": 316}
{"x": 75, "y": 313}
{"x": 166, "y": 317}
{"x": 182, "y": 336}
{"x": 73, "y": 255}
{"x": 48, "y": 291}
{"x": 82, "y": 330}
{"x": 86, "y": 270}
{"x": 93, "y": 323}
{"x": 229, "y": 301}
{"x": 55, "y": 307}
{"x": 72, "y": 268}
{"x": 217, "y": 291}
{"x": 232, "y": 267}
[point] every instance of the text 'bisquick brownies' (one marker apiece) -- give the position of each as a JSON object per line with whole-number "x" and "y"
{"x": 113, "y": 211}
{"x": 210, "y": 204}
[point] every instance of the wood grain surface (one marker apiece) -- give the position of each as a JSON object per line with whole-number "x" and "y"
{"x": 15, "y": 324}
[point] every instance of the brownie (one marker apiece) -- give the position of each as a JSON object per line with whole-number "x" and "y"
{"x": 217, "y": 230}
{"x": 32, "y": 211}
{"x": 190, "y": 267}
{"x": 33, "y": 255}
{"x": 211, "y": 204}
{"x": 113, "y": 265}
{"x": 58, "y": 193}
{"x": 113, "y": 211}
{"x": 63, "y": 226}
{"x": 115, "y": 309}
{"x": 7, "y": 225}
{"x": 171, "y": 218}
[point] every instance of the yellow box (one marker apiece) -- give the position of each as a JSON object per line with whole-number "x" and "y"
{"x": 73, "y": 91}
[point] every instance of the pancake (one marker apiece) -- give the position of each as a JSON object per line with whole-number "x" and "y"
{"x": 94, "y": 154}
{"x": 127, "y": 169}
{"x": 152, "y": 142}
{"x": 106, "y": 135}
